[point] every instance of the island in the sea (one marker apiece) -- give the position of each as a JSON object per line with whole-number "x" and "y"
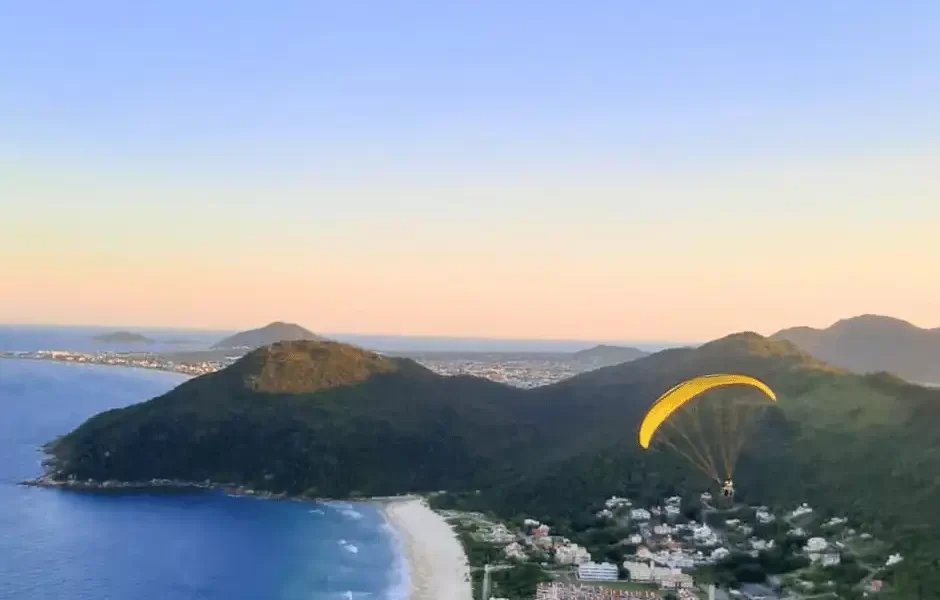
{"x": 123, "y": 337}
{"x": 263, "y": 336}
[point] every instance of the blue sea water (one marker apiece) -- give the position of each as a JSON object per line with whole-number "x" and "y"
{"x": 81, "y": 339}
{"x": 56, "y": 544}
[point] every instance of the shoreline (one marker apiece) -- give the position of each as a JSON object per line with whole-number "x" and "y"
{"x": 437, "y": 564}
{"x": 179, "y": 485}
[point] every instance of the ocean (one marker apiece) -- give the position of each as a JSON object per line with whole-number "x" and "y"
{"x": 57, "y": 544}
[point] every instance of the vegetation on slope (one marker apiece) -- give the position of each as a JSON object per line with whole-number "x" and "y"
{"x": 322, "y": 418}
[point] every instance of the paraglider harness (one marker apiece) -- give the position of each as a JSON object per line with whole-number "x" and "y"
{"x": 727, "y": 489}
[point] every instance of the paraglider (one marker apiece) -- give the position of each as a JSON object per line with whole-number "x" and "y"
{"x": 709, "y": 430}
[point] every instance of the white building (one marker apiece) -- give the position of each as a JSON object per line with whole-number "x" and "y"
{"x": 676, "y": 581}
{"x": 640, "y": 572}
{"x": 662, "y": 529}
{"x": 835, "y": 522}
{"x": 763, "y": 516}
{"x": 758, "y": 544}
{"x": 515, "y": 550}
{"x": 591, "y": 571}
{"x": 667, "y": 577}
{"x": 499, "y": 535}
{"x": 615, "y": 502}
{"x": 636, "y": 538}
{"x": 572, "y": 554}
{"x": 893, "y": 560}
{"x": 640, "y": 514}
{"x": 815, "y": 544}
{"x": 719, "y": 554}
{"x": 531, "y": 523}
{"x": 803, "y": 509}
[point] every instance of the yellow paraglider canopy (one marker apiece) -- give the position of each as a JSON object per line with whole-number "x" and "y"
{"x": 728, "y": 425}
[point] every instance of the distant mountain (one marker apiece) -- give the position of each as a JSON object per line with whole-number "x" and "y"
{"x": 263, "y": 336}
{"x": 872, "y": 343}
{"x": 328, "y": 419}
{"x": 604, "y": 355}
{"x": 123, "y": 337}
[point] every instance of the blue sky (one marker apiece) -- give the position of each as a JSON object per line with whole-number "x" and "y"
{"x": 440, "y": 116}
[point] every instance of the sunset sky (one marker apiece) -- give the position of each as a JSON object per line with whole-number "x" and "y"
{"x": 603, "y": 170}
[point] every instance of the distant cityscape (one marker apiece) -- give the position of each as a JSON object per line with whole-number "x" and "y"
{"x": 525, "y": 371}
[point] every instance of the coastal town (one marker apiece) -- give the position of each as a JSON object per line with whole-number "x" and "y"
{"x": 683, "y": 549}
{"x": 157, "y": 362}
{"x": 523, "y": 372}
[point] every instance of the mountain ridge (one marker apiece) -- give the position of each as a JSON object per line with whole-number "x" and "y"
{"x": 871, "y": 343}
{"x": 607, "y": 354}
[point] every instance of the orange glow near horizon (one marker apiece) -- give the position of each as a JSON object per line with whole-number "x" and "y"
{"x": 550, "y": 265}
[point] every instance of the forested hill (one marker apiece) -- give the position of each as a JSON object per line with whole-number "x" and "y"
{"x": 328, "y": 419}
{"x": 871, "y": 343}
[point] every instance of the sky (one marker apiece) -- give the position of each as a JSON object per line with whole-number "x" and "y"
{"x": 603, "y": 170}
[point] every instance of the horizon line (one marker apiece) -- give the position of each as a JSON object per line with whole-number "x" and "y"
{"x": 548, "y": 340}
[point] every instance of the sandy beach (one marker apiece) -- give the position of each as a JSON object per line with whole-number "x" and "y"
{"x": 439, "y": 566}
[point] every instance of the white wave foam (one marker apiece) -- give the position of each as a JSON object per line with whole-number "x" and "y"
{"x": 351, "y": 548}
{"x": 346, "y": 509}
{"x": 400, "y": 580}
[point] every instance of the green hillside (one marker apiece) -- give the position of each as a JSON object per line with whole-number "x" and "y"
{"x": 327, "y": 419}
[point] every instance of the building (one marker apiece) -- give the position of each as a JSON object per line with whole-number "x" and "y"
{"x": 676, "y": 581}
{"x": 572, "y": 554}
{"x": 720, "y": 554}
{"x": 665, "y": 577}
{"x": 640, "y": 514}
{"x": 803, "y": 509}
{"x": 764, "y": 516}
{"x": 615, "y": 502}
{"x": 815, "y": 544}
{"x": 591, "y": 571}
{"x": 663, "y": 529}
{"x": 640, "y": 572}
{"x": 515, "y": 550}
